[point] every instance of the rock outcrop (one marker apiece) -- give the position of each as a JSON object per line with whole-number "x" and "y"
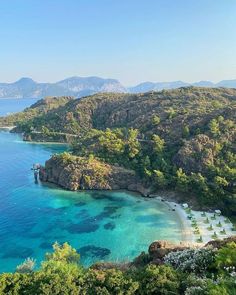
{"x": 159, "y": 249}
{"x": 78, "y": 173}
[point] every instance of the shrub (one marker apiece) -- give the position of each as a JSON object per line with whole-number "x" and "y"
{"x": 157, "y": 280}
{"x": 27, "y": 266}
{"x": 226, "y": 259}
{"x": 194, "y": 285}
{"x": 192, "y": 260}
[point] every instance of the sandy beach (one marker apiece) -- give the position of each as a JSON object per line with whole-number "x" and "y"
{"x": 203, "y": 226}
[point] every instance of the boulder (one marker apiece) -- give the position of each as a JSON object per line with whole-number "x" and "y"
{"x": 158, "y": 249}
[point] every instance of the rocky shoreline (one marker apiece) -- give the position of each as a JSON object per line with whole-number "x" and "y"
{"x": 77, "y": 173}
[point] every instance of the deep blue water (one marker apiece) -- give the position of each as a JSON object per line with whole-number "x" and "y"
{"x": 13, "y": 105}
{"x": 100, "y": 225}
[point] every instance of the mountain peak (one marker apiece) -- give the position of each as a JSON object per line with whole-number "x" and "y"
{"x": 25, "y": 80}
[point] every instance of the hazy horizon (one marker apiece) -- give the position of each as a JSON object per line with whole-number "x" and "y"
{"x": 131, "y": 41}
{"x": 129, "y": 85}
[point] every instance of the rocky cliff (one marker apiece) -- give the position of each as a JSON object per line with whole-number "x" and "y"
{"x": 78, "y": 173}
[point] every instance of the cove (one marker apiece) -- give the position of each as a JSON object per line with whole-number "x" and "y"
{"x": 109, "y": 226}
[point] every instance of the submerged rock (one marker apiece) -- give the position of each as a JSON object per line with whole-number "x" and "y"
{"x": 86, "y": 226}
{"x": 109, "y": 226}
{"x": 94, "y": 251}
{"x": 18, "y": 252}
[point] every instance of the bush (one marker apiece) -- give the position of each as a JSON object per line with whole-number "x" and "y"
{"x": 194, "y": 285}
{"x": 109, "y": 282}
{"x": 197, "y": 261}
{"x": 226, "y": 259}
{"x": 157, "y": 280}
{"x": 27, "y": 266}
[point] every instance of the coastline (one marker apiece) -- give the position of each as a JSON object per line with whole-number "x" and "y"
{"x": 46, "y": 142}
{"x": 208, "y": 231}
{"x": 9, "y": 128}
{"x": 189, "y": 235}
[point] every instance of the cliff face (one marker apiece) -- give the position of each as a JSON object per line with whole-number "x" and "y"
{"x": 78, "y": 173}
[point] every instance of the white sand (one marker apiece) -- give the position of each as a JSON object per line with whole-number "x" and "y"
{"x": 188, "y": 231}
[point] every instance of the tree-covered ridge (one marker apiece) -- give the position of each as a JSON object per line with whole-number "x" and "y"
{"x": 182, "y": 139}
{"x": 201, "y": 168}
{"x": 193, "y": 107}
{"x": 204, "y": 271}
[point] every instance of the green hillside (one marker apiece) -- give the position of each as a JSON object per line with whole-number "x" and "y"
{"x": 183, "y": 139}
{"x": 40, "y": 108}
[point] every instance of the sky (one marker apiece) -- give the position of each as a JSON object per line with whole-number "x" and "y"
{"x": 129, "y": 40}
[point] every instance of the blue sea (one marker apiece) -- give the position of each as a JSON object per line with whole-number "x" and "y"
{"x": 104, "y": 226}
{"x": 13, "y": 105}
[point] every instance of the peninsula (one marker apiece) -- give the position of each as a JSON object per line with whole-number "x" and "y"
{"x": 181, "y": 140}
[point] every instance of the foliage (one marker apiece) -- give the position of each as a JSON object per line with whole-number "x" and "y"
{"x": 192, "y": 260}
{"x": 157, "y": 280}
{"x": 226, "y": 259}
{"x": 183, "y": 139}
{"x": 156, "y": 120}
{"x": 194, "y": 285}
{"x": 224, "y": 286}
{"x": 66, "y": 157}
{"x": 27, "y": 266}
{"x": 24, "y": 120}
{"x": 61, "y": 274}
{"x": 63, "y": 253}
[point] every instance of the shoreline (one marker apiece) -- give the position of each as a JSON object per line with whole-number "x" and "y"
{"x": 189, "y": 238}
{"x": 195, "y": 231}
{"x": 186, "y": 231}
{"x": 217, "y": 227}
{"x": 9, "y": 128}
{"x": 199, "y": 233}
{"x": 45, "y": 142}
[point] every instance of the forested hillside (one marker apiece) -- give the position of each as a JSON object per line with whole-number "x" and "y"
{"x": 40, "y": 108}
{"x": 183, "y": 139}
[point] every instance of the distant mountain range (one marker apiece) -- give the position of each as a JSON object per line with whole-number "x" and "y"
{"x": 82, "y": 86}
{"x": 150, "y": 86}
{"x": 74, "y": 86}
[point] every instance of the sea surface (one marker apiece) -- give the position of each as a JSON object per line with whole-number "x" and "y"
{"x": 13, "y": 105}
{"x": 109, "y": 226}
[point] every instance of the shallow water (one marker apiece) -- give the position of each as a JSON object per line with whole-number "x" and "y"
{"x": 101, "y": 225}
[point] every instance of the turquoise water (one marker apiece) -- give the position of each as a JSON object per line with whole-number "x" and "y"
{"x": 100, "y": 225}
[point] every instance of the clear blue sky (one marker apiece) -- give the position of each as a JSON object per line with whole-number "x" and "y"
{"x": 130, "y": 40}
